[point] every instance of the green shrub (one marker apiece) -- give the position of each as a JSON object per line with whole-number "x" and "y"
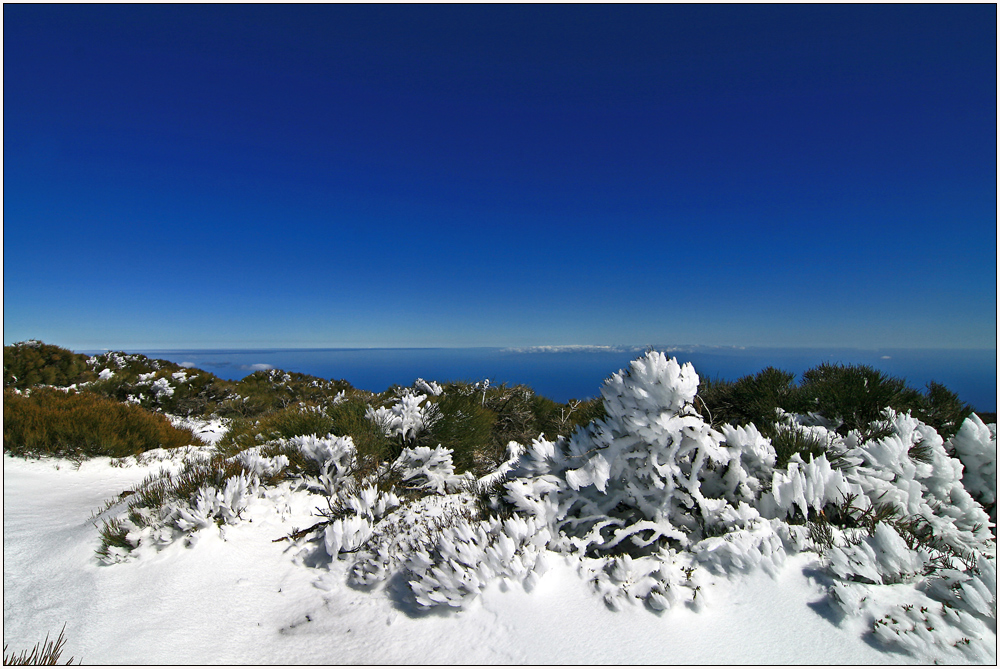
{"x": 507, "y": 413}
{"x": 466, "y": 427}
{"x": 75, "y": 424}
{"x": 32, "y": 363}
{"x": 553, "y": 418}
{"x": 198, "y": 394}
{"x": 515, "y": 420}
{"x": 349, "y": 420}
{"x": 587, "y": 411}
{"x": 942, "y": 410}
{"x": 751, "y": 399}
{"x": 193, "y": 392}
{"x": 855, "y": 396}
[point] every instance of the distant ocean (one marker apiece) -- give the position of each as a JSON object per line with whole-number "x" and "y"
{"x": 562, "y": 373}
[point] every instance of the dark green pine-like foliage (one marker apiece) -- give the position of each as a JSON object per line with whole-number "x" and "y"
{"x": 852, "y": 396}
{"x": 33, "y": 363}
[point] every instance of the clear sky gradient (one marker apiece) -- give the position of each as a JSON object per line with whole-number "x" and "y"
{"x": 245, "y": 176}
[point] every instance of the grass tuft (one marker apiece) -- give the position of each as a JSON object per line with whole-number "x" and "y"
{"x": 44, "y": 653}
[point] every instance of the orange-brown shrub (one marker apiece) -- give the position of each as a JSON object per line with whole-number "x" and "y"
{"x": 54, "y": 422}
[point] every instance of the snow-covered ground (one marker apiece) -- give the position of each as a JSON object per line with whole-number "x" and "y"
{"x": 238, "y": 597}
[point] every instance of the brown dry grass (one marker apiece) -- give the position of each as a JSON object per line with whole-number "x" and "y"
{"x": 53, "y": 422}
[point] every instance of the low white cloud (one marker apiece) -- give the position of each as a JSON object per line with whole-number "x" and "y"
{"x": 189, "y": 365}
{"x": 573, "y": 348}
{"x": 258, "y": 367}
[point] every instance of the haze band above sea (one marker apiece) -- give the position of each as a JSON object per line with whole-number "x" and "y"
{"x": 564, "y": 372}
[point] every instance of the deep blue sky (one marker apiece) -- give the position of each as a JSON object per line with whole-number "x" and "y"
{"x": 230, "y": 176}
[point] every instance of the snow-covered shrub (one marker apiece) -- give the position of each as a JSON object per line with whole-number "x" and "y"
{"x": 259, "y": 465}
{"x": 172, "y": 504}
{"x": 935, "y": 632}
{"x": 428, "y": 468}
{"x": 920, "y": 527}
{"x": 910, "y": 470}
{"x": 211, "y": 503}
{"x": 975, "y": 445}
{"x": 406, "y": 418}
{"x": 661, "y": 581}
{"x": 649, "y": 499}
{"x": 933, "y": 622}
{"x": 756, "y": 451}
{"x": 428, "y": 387}
{"x": 353, "y": 515}
{"x": 336, "y": 457}
{"x": 466, "y": 556}
{"x": 402, "y": 532}
{"x": 488, "y": 489}
{"x": 162, "y": 388}
{"x": 336, "y": 453}
{"x": 346, "y": 534}
{"x": 802, "y": 486}
{"x": 752, "y": 542}
{"x": 648, "y": 478}
{"x": 880, "y": 558}
{"x": 652, "y": 470}
{"x": 973, "y": 589}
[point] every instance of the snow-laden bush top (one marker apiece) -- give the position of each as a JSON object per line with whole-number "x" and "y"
{"x": 406, "y": 418}
{"x": 651, "y": 470}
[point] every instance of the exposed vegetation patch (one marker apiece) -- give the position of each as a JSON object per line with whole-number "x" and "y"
{"x": 32, "y": 363}
{"x": 271, "y": 390}
{"x": 158, "y": 385}
{"x": 82, "y": 424}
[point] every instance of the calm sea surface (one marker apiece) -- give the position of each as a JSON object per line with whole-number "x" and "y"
{"x": 562, "y": 375}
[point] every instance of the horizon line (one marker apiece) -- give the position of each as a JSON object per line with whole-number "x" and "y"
{"x": 545, "y": 348}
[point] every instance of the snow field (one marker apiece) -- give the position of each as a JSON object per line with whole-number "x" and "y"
{"x": 245, "y": 599}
